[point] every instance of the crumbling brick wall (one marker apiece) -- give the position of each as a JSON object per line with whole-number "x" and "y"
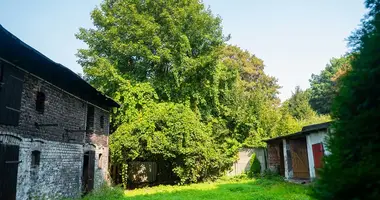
{"x": 62, "y": 109}
{"x": 274, "y": 159}
{"x": 61, "y": 160}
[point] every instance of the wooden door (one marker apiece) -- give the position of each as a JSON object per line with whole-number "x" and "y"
{"x": 300, "y": 161}
{"x": 88, "y": 171}
{"x": 318, "y": 153}
{"x": 9, "y": 155}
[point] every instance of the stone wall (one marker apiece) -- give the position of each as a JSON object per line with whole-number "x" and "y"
{"x": 242, "y": 165}
{"x": 59, "y": 173}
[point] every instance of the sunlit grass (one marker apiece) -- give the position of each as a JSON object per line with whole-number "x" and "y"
{"x": 242, "y": 189}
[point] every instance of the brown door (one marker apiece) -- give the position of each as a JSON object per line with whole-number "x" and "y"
{"x": 300, "y": 161}
{"x": 88, "y": 172}
{"x": 9, "y": 155}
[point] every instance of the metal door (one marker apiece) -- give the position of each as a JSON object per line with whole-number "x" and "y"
{"x": 318, "y": 157}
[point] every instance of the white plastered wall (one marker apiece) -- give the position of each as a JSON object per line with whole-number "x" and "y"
{"x": 315, "y": 138}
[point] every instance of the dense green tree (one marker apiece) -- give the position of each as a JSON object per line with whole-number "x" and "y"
{"x": 296, "y": 113}
{"x": 171, "y": 134}
{"x": 171, "y": 44}
{"x": 352, "y": 169}
{"x": 158, "y": 57}
{"x": 298, "y": 104}
{"x": 187, "y": 98}
{"x": 324, "y": 86}
{"x": 247, "y": 96}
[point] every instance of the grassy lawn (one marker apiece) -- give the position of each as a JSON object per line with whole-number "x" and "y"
{"x": 260, "y": 189}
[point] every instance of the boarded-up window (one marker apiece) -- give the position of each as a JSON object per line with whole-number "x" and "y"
{"x": 40, "y": 102}
{"x": 10, "y": 94}
{"x": 102, "y": 121}
{"x": 36, "y": 159}
{"x": 90, "y": 118}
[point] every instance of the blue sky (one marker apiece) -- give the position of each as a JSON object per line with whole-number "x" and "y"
{"x": 295, "y": 38}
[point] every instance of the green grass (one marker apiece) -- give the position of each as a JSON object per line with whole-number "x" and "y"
{"x": 260, "y": 189}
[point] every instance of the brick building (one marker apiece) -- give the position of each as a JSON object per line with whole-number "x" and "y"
{"x": 54, "y": 127}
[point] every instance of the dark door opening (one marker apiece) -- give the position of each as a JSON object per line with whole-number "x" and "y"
{"x": 282, "y": 163}
{"x": 9, "y": 155}
{"x": 88, "y": 172}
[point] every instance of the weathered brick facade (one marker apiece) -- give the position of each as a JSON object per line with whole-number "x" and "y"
{"x": 59, "y": 173}
{"x": 275, "y": 153}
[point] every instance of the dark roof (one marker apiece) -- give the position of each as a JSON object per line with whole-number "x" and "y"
{"x": 315, "y": 127}
{"x": 305, "y": 130}
{"x": 22, "y": 55}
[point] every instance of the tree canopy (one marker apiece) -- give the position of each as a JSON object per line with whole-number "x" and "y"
{"x": 188, "y": 99}
{"x": 324, "y": 86}
{"x": 298, "y": 104}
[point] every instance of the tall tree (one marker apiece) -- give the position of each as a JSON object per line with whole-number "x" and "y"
{"x": 160, "y": 60}
{"x": 352, "y": 169}
{"x": 248, "y": 97}
{"x": 171, "y": 44}
{"x": 157, "y": 57}
{"x": 298, "y": 104}
{"x": 324, "y": 86}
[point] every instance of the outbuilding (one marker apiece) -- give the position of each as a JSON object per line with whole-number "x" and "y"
{"x": 299, "y": 155}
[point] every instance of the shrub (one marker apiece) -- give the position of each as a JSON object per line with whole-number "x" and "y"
{"x": 255, "y": 167}
{"x": 172, "y": 135}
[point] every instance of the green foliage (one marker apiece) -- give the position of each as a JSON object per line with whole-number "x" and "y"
{"x": 173, "y": 45}
{"x": 221, "y": 190}
{"x": 248, "y": 98}
{"x": 187, "y": 98}
{"x": 296, "y": 113}
{"x": 255, "y": 167}
{"x": 173, "y": 134}
{"x": 352, "y": 169}
{"x": 324, "y": 87}
{"x": 298, "y": 104}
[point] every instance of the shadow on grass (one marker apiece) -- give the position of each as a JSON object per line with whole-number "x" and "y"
{"x": 261, "y": 189}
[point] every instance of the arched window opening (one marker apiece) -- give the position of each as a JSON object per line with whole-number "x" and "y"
{"x": 100, "y": 161}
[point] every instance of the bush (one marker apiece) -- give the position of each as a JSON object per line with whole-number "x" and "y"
{"x": 255, "y": 167}
{"x": 172, "y": 135}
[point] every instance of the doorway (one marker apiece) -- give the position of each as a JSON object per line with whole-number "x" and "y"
{"x": 9, "y": 160}
{"x": 300, "y": 161}
{"x": 88, "y": 172}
